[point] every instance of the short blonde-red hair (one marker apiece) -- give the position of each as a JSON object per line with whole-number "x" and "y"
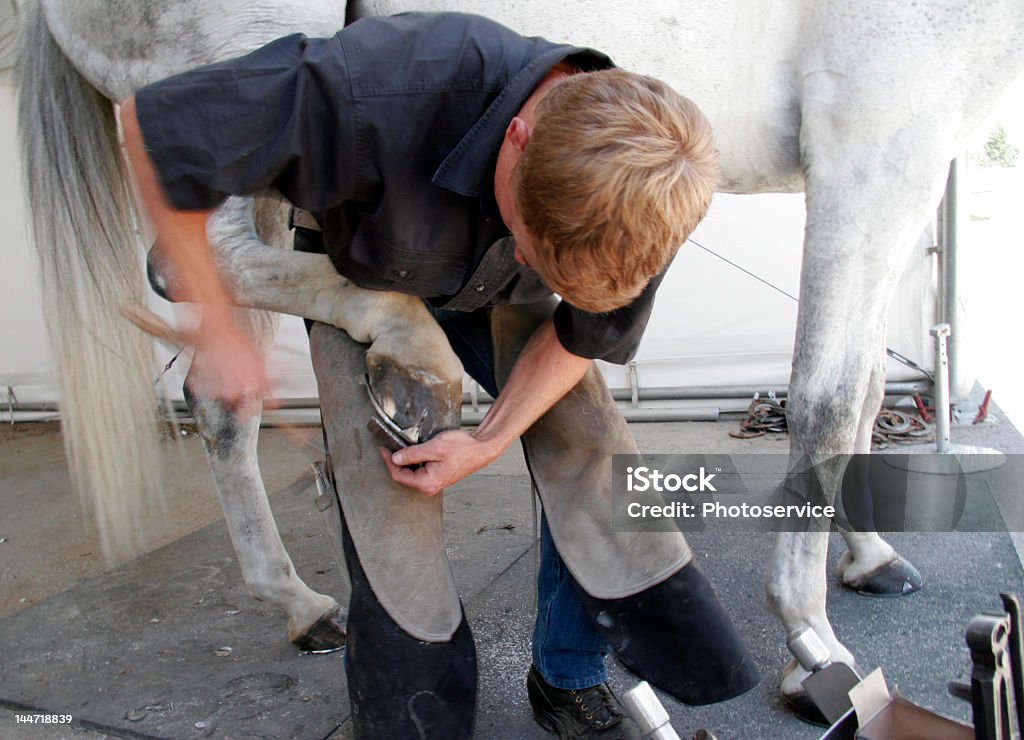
{"x": 618, "y": 171}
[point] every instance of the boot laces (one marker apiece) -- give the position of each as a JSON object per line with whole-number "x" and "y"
{"x": 597, "y": 704}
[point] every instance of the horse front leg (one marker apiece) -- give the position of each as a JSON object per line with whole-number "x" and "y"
{"x": 858, "y": 237}
{"x": 795, "y": 593}
{"x": 832, "y": 412}
{"x": 873, "y": 180}
{"x": 871, "y": 566}
{"x": 828, "y": 391}
{"x": 828, "y": 395}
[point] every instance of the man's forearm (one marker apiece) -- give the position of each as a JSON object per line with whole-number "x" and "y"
{"x": 231, "y": 367}
{"x": 180, "y": 234}
{"x": 544, "y": 372}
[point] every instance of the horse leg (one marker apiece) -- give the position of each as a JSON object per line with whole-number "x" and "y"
{"x": 316, "y": 622}
{"x": 396, "y": 327}
{"x": 827, "y": 394}
{"x": 406, "y": 368}
{"x": 857, "y": 239}
{"x": 870, "y": 565}
{"x": 824, "y": 418}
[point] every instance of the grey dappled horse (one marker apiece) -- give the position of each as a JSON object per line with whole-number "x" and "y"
{"x": 861, "y": 105}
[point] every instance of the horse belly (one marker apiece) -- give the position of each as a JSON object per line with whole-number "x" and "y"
{"x": 736, "y": 61}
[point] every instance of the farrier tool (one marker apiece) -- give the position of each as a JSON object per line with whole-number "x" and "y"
{"x": 387, "y": 431}
{"x": 829, "y": 684}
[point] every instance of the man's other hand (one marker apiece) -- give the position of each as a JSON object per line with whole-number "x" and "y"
{"x": 445, "y": 460}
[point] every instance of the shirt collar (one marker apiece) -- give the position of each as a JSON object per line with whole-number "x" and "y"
{"x": 469, "y": 168}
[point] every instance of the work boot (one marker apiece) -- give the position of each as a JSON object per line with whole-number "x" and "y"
{"x": 593, "y": 712}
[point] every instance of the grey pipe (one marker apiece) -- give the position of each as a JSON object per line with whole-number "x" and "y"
{"x": 694, "y": 393}
{"x": 707, "y": 392}
{"x": 949, "y": 300}
{"x": 942, "y": 372}
{"x": 707, "y": 413}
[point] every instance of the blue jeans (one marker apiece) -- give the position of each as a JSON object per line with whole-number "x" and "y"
{"x": 567, "y": 648}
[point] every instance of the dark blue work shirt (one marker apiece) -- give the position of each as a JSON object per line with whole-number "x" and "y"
{"x": 388, "y": 132}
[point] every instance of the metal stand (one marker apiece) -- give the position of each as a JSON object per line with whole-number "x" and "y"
{"x": 952, "y": 459}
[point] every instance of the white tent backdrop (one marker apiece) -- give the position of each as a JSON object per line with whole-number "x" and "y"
{"x": 713, "y": 325}
{"x": 25, "y": 361}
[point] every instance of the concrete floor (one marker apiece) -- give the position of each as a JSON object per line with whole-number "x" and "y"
{"x": 138, "y": 650}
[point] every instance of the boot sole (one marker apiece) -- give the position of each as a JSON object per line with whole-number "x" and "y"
{"x": 552, "y": 725}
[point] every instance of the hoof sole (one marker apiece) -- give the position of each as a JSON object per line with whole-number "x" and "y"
{"x": 898, "y": 578}
{"x": 327, "y": 634}
{"x": 420, "y": 401}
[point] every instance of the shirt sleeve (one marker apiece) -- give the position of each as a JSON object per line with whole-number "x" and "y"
{"x": 613, "y": 337}
{"x": 261, "y": 120}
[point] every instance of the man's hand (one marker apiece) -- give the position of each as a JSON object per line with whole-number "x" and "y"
{"x": 543, "y": 373}
{"x": 228, "y": 367}
{"x": 446, "y": 459}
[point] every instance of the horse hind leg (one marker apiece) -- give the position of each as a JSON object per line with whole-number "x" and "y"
{"x": 316, "y": 622}
{"x": 409, "y": 362}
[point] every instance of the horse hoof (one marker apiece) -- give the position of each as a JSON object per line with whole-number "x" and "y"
{"x": 413, "y": 398}
{"x": 898, "y": 578}
{"x": 326, "y": 635}
{"x": 804, "y": 708}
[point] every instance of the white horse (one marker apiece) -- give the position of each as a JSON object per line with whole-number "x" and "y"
{"x": 861, "y": 105}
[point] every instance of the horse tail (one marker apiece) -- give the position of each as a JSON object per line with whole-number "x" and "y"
{"x": 83, "y": 224}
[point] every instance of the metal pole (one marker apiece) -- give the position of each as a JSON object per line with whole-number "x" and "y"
{"x": 949, "y": 234}
{"x": 692, "y": 393}
{"x": 942, "y": 409}
{"x": 708, "y": 392}
{"x": 704, "y": 413}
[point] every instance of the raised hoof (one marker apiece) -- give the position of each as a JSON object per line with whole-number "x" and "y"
{"x": 804, "y": 708}
{"x": 413, "y": 398}
{"x": 897, "y": 578}
{"x": 326, "y": 635}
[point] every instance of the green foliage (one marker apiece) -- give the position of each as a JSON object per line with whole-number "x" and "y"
{"x": 997, "y": 151}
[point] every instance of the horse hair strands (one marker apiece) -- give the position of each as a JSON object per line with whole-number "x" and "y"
{"x": 90, "y": 265}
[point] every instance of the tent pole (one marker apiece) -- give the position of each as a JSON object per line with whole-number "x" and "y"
{"x": 949, "y": 299}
